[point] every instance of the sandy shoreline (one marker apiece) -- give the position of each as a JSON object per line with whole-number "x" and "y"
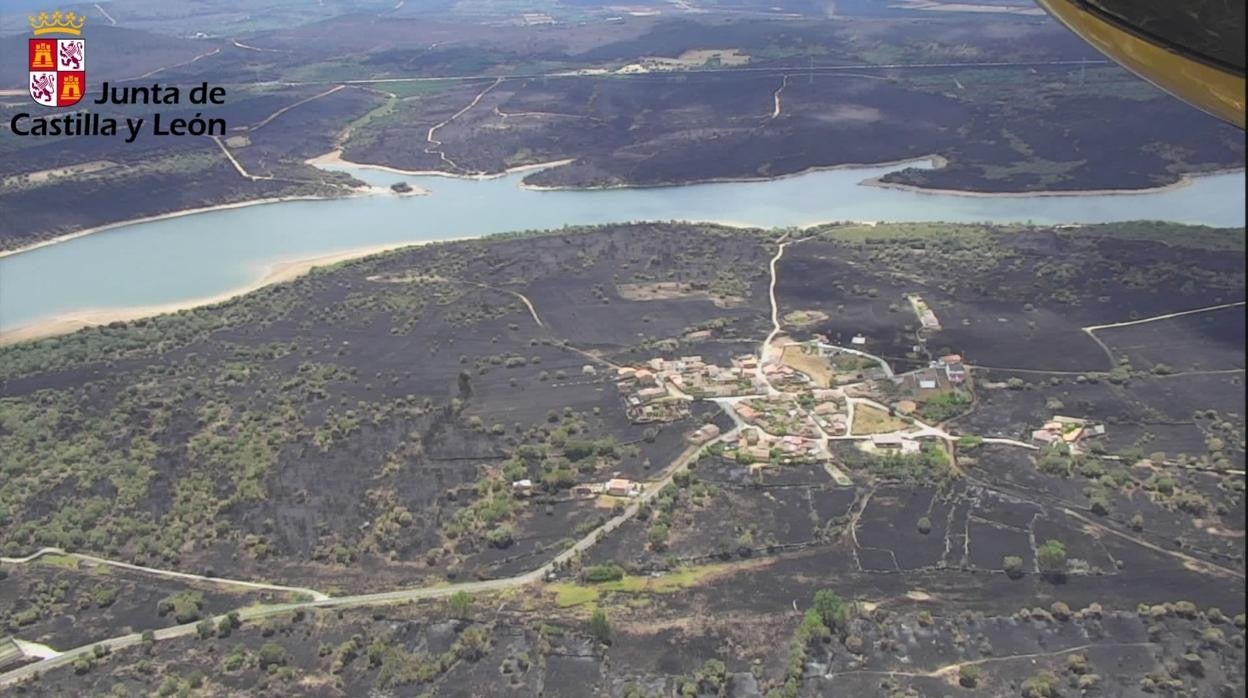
{"x": 367, "y": 190}
{"x": 273, "y": 274}
{"x": 334, "y": 159}
{"x": 67, "y": 323}
{"x": 936, "y": 161}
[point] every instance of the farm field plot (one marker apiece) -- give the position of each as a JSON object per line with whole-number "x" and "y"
{"x": 1208, "y": 341}
{"x": 910, "y": 524}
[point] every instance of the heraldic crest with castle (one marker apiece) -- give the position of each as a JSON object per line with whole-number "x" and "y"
{"x": 57, "y": 66}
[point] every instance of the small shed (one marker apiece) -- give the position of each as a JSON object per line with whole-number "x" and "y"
{"x": 619, "y": 487}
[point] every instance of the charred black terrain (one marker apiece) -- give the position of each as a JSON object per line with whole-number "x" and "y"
{"x": 901, "y": 648}
{"x": 636, "y": 101}
{"x": 351, "y": 421}
{"x": 424, "y": 448}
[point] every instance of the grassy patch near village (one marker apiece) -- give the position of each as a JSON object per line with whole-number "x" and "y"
{"x": 568, "y": 594}
{"x": 873, "y": 420}
{"x": 808, "y": 361}
{"x": 62, "y": 561}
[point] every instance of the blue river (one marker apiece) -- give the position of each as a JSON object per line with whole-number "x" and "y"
{"x": 204, "y": 255}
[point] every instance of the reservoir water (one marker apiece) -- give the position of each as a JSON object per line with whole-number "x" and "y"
{"x": 203, "y": 255}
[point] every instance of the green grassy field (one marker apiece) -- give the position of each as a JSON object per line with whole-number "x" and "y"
{"x": 568, "y": 594}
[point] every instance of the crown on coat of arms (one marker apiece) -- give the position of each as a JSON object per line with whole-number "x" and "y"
{"x": 57, "y": 23}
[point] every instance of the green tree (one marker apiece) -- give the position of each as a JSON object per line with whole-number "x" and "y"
{"x": 271, "y": 654}
{"x": 1054, "y": 462}
{"x": 712, "y": 676}
{"x": 1052, "y": 558}
{"x": 604, "y": 573}
{"x": 968, "y": 676}
{"x": 1100, "y": 503}
{"x": 658, "y": 537}
{"x": 228, "y": 624}
{"x": 460, "y": 604}
{"x": 184, "y": 605}
{"x": 102, "y": 596}
{"x": 600, "y": 627}
{"x": 235, "y": 659}
{"x": 1013, "y": 566}
{"x": 206, "y": 628}
{"x": 832, "y": 610}
{"x": 501, "y": 537}
{"x": 472, "y": 644}
{"x": 1042, "y": 685}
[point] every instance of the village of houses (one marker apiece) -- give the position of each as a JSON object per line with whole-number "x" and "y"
{"x": 800, "y": 396}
